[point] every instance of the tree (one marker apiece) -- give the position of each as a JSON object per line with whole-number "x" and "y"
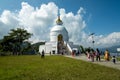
{"x": 14, "y": 40}
{"x": 82, "y": 49}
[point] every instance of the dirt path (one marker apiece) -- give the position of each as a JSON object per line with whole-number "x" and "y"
{"x": 102, "y": 62}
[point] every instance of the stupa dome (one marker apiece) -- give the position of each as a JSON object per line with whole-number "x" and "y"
{"x": 57, "y": 30}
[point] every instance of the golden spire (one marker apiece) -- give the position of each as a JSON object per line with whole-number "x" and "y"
{"x": 59, "y": 22}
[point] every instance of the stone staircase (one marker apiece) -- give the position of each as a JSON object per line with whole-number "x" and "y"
{"x": 63, "y": 49}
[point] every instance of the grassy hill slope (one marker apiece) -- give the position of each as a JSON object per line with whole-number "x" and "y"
{"x": 53, "y": 68}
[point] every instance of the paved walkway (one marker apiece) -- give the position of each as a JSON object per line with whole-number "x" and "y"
{"x": 102, "y": 62}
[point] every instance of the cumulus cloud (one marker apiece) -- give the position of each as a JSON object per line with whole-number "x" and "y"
{"x": 39, "y": 21}
{"x": 74, "y": 23}
{"x": 8, "y": 20}
{"x": 109, "y": 40}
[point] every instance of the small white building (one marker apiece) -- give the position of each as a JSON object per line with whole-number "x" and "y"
{"x": 59, "y": 41}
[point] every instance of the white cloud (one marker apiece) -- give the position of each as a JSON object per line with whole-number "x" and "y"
{"x": 109, "y": 40}
{"x": 74, "y": 23}
{"x": 41, "y": 19}
{"x": 8, "y": 20}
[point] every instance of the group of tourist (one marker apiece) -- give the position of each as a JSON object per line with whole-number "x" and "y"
{"x": 107, "y": 57}
{"x": 75, "y": 53}
{"x": 91, "y": 54}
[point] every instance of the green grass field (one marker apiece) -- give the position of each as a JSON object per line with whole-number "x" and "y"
{"x": 53, "y": 68}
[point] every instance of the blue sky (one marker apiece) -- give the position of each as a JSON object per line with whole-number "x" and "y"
{"x": 101, "y": 16}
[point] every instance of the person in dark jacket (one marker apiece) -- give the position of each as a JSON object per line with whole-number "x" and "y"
{"x": 43, "y": 54}
{"x": 97, "y": 54}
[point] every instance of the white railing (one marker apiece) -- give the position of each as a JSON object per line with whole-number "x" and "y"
{"x": 68, "y": 47}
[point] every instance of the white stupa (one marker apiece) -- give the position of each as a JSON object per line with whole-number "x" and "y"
{"x": 59, "y": 31}
{"x": 59, "y": 41}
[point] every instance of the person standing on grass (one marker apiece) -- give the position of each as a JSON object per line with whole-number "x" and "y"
{"x": 73, "y": 53}
{"x": 114, "y": 59}
{"x": 107, "y": 55}
{"x": 92, "y": 55}
{"x": 88, "y": 55}
{"x": 50, "y": 52}
{"x": 97, "y": 54}
{"x": 43, "y": 54}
